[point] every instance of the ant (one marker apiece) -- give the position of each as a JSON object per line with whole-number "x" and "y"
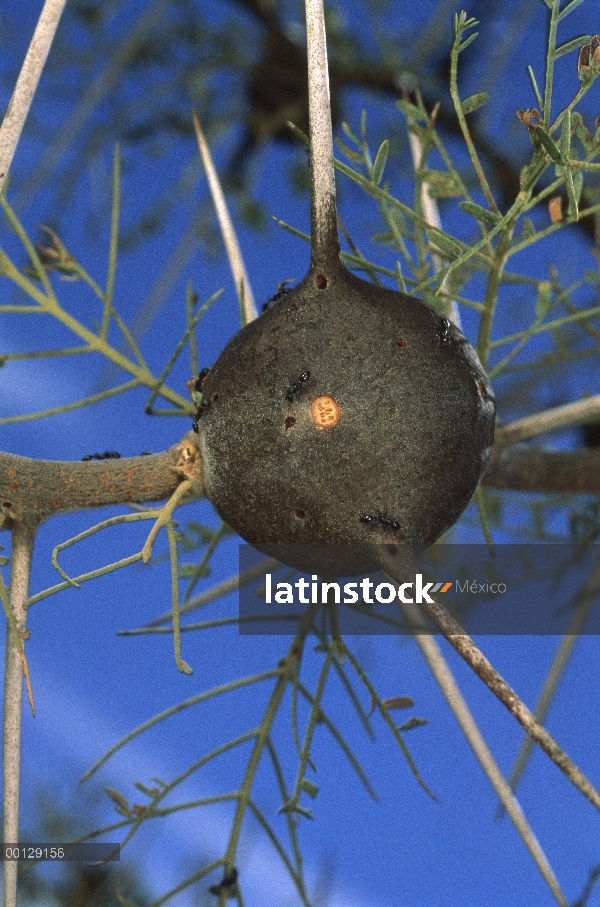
{"x": 199, "y": 413}
{"x": 282, "y": 290}
{"x": 297, "y": 386}
{"x": 198, "y": 385}
{"x": 444, "y": 334}
{"x": 201, "y": 379}
{"x": 107, "y": 455}
{"x": 370, "y": 518}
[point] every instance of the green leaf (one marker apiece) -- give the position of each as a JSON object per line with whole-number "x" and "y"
{"x": 118, "y": 799}
{"x": 569, "y": 9}
{"x": 479, "y": 213}
{"x": 187, "y": 570}
{"x": 587, "y": 140}
{"x": 350, "y": 154}
{"x": 380, "y": 162}
{"x": 474, "y": 101}
{"x": 442, "y": 184}
{"x": 413, "y": 723}
{"x": 298, "y": 132}
{"x": 570, "y": 45}
{"x": 309, "y": 787}
{"x": 466, "y": 43}
{"x": 565, "y": 136}
{"x": 534, "y": 84}
{"x": 567, "y": 175}
{"x": 574, "y": 185}
{"x": 291, "y": 807}
{"x": 543, "y": 137}
{"x": 411, "y": 110}
{"x": 444, "y": 243}
{"x": 350, "y": 134}
{"x": 528, "y": 229}
{"x": 400, "y": 278}
{"x": 363, "y": 125}
{"x": 544, "y": 295}
{"x": 148, "y": 791}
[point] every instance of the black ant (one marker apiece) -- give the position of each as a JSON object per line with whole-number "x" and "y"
{"x": 199, "y": 413}
{"x": 282, "y": 290}
{"x": 297, "y": 386}
{"x": 107, "y": 455}
{"x": 370, "y": 518}
{"x": 201, "y": 379}
{"x": 444, "y": 334}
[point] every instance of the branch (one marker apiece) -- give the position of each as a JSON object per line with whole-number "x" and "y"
{"x": 20, "y": 566}
{"x": 36, "y": 489}
{"x": 451, "y": 691}
{"x": 474, "y": 657}
{"x": 18, "y": 107}
{"x": 576, "y": 413}
{"x": 546, "y": 471}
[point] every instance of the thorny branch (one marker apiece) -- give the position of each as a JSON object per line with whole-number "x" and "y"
{"x": 37, "y": 489}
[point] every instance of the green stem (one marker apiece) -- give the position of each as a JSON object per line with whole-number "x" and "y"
{"x": 264, "y": 734}
{"x": 491, "y": 294}
{"x": 552, "y": 31}
{"x": 464, "y": 127}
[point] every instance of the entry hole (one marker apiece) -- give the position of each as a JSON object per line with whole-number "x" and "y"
{"x": 321, "y": 281}
{"x": 299, "y": 513}
{"x": 289, "y": 422}
{"x": 325, "y": 411}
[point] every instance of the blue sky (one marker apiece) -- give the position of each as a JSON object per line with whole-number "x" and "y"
{"x": 93, "y": 687}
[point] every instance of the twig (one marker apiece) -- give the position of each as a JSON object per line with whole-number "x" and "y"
{"x": 219, "y": 590}
{"x": 236, "y": 262}
{"x": 112, "y": 71}
{"x": 440, "y": 670}
{"x": 549, "y": 420}
{"x": 586, "y": 602}
{"x": 472, "y": 654}
{"x": 429, "y": 208}
{"x": 23, "y": 535}
{"x": 528, "y": 468}
{"x": 20, "y": 102}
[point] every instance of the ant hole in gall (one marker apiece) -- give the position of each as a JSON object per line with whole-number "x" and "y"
{"x": 324, "y": 411}
{"x": 321, "y": 281}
